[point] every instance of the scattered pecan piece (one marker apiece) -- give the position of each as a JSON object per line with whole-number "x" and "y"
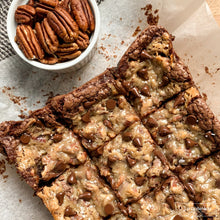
{"x": 63, "y": 24}
{"x": 46, "y": 36}
{"x": 28, "y": 43}
{"x": 24, "y": 14}
{"x": 83, "y": 15}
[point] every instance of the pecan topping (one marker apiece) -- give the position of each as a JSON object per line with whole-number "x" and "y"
{"x": 47, "y": 37}
{"x": 28, "y": 43}
{"x": 24, "y": 14}
{"x": 63, "y": 24}
{"x": 83, "y": 15}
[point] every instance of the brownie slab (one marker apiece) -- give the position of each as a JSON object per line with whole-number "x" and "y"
{"x": 202, "y": 182}
{"x": 151, "y": 72}
{"x": 131, "y": 163}
{"x": 79, "y": 193}
{"x": 96, "y": 111}
{"x": 185, "y": 128}
{"x": 40, "y": 147}
{"x": 170, "y": 201}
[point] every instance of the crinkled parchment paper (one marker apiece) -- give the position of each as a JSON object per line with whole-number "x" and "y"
{"x": 24, "y": 88}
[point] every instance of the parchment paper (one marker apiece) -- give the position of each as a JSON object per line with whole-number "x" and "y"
{"x": 25, "y": 88}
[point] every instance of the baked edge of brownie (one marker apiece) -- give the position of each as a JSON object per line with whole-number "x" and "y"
{"x": 90, "y": 93}
{"x": 179, "y": 72}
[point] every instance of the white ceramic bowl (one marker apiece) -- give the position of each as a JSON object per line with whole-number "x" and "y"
{"x": 67, "y": 66}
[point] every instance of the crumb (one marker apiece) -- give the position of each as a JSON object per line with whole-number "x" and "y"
{"x": 79, "y": 78}
{"x": 20, "y": 200}
{"x": 122, "y": 42}
{"x": 2, "y": 166}
{"x": 204, "y": 95}
{"x": 120, "y": 19}
{"x": 152, "y": 16}
{"x": 137, "y": 30}
{"x": 207, "y": 71}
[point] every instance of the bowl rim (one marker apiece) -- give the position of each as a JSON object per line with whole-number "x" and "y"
{"x": 11, "y": 23}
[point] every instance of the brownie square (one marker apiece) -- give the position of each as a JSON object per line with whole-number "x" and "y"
{"x": 169, "y": 201}
{"x": 131, "y": 163}
{"x": 185, "y": 128}
{"x": 202, "y": 182}
{"x": 40, "y": 147}
{"x": 79, "y": 193}
{"x": 151, "y": 72}
{"x": 96, "y": 111}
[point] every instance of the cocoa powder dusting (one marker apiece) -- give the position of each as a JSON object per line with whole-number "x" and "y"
{"x": 152, "y": 16}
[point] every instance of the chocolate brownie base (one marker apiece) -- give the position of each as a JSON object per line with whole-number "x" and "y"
{"x": 169, "y": 201}
{"x": 132, "y": 164}
{"x": 79, "y": 193}
{"x": 40, "y": 147}
{"x": 96, "y": 111}
{"x": 185, "y": 128}
{"x": 151, "y": 72}
{"x": 202, "y": 182}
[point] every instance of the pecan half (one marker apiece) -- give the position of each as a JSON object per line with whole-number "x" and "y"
{"x": 46, "y": 36}
{"x": 65, "y": 4}
{"x": 68, "y": 51}
{"x": 83, "y": 40}
{"x": 63, "y": 24}
{"x": 83, "y": 15}
{"x": 24, "y": 14}
{"x": 45, "y": 6}
{"x": 28, "y": 43}
{"x": 49, "y": 60}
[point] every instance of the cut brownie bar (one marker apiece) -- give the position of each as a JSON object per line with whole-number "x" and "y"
{"x": 170, "y": 201}
{"x": 203, "y": 185}
{"x": 96, "y": 110}
{"x": 131, "y": 163}
{"x": 185, "y": 128}
{"x": 151, "y": 72}
{"x": 79, "y": 193}
{"x": 40, "y": 147}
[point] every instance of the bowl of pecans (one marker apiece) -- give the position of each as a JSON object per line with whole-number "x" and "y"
{"x": 54, "y": 35}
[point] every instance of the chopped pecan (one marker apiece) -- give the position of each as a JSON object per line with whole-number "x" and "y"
{"x": 31, "y": 3}
{"x": 24, "y": 14}
{"x": 28, "y": 43}
{"x": 46, "y": 36}
{"x": 68, "y": 51}
{"x": 83, "y": 40}
{"x": 63, "y": 24}
{"x": 83, "y": 15}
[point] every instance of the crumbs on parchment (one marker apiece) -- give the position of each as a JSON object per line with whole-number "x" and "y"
{"x": 152, "y": 15}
